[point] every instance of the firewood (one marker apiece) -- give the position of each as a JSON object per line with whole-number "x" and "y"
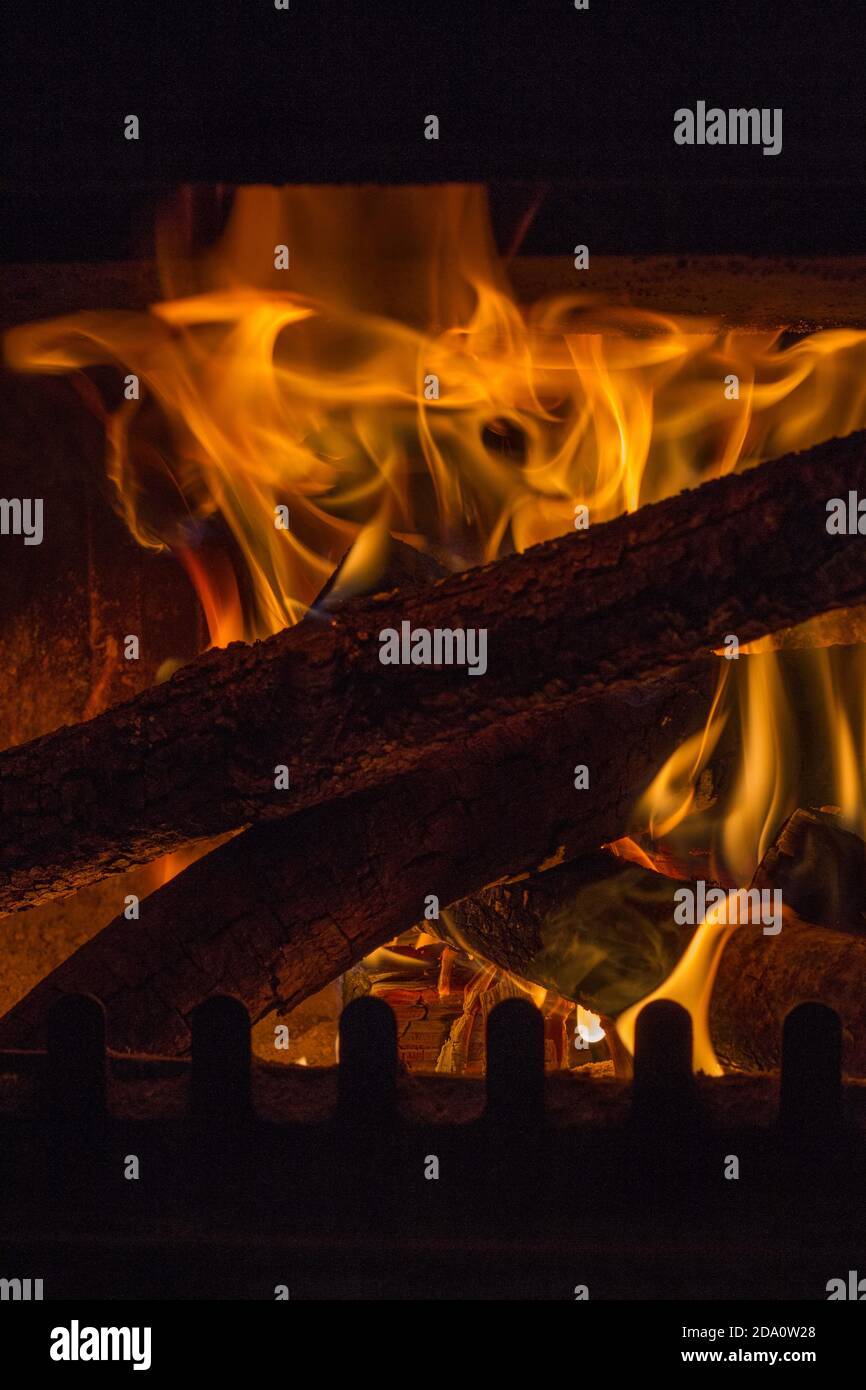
{"x": 745, "y": 292}
{"x": 405, "y": 567}
{"x": 275, "y": 913}
{"x": 626, "y": 601}
{"x": 598, "y": 930}
{"x": 602, "y": 931}
{"x": 820, "y": 868}
{"x": 761, "y": 978}
{"x": 464, "y": 1050}
{"x": 272, "y": 916}
{"x": 409, "y": 977}
{"x": 804, "y": 294}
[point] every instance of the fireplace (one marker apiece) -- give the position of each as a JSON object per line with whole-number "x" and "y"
{"x": 434, "y": 746}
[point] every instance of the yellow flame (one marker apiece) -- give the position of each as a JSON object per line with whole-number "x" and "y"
{"x": 760, "y": 792}
{"x": 841, "y": 677}
{"x": 537, "y": 994}
{"x": 672, "y": 795}
{"x": 388, "y": 381}
{"x": 690, "y": 984}
{"x": 788, "y": 753}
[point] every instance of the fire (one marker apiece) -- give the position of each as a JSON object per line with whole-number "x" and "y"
{"x": 774, "y": 719}
{"x": 387, "y": 381}
{"x": 690, "y": 984}
{"x": 268, "y": 420}
{"x": 588, "y": 1025}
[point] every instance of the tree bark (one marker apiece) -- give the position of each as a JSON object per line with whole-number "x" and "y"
{"x": 628, "y": 600}
{"x": 761, "y": 978}
{"x": 279, "y": 910}
{"x": 601, "y": 931}
{"x": 804, "y": 294}
{"x": 820, "y": 868}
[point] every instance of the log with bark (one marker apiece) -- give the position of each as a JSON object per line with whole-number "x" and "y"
{"x": 215, "y": 930}
{"x": 820, "y": 867}
{"x": 801, "y": 294}
{"x": 281, "y": 909}
{"x": 602, "y": 931}
{"x": 300, "y": 961}
{"x": 598, "y": 930}
{"x": 761, "y": 978}
{"x": 271, "y": 920}
{"x": 627, "y": 601}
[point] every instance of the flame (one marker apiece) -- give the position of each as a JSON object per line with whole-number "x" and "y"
{"x": 760, "y": 795}
{"x": 314, "y": 389}
{"x": 771, "y": 779}
{"x": 674, "y": 791}
{"x": 841, "y": 680}
{"x": 764, "y": 789}
{"x": 387, "y": 382}
{"x": 690, "y": 984}
{"x": 588, "y": 1025}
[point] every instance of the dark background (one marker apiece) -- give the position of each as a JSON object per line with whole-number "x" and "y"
{"x": 570, "y": 108}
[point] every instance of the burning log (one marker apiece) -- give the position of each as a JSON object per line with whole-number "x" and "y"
{"x": 280, "y": 910}
{"x": 275, "y": 913}
{"x": 626, "y": 945}
{"x": 761, "y": 978}
{"x": 599, "y": 930}
{"x": 303, "y": 965}
{"x": 629, "y": 601}
{"x": 820, "y": 868}
{"x": 602, "y": 931}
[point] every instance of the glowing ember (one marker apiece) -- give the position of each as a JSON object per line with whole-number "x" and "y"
{"x": 588, "y": 1025}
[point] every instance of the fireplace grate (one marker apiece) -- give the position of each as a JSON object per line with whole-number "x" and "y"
{"x": 664, "y": 1194}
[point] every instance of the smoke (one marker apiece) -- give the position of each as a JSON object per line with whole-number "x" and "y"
{"x": 611, "y": 942}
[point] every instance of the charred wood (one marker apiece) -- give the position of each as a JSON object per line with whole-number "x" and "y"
{"x": 626, "y": 602}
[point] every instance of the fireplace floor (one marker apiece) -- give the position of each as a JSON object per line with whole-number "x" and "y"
{"x": 330, "y": 1197}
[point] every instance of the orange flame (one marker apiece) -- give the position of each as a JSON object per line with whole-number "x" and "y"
{"x": 388, "y": 382}
{"x": 690, "y": 983}
{"x": 771, "y": 779}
